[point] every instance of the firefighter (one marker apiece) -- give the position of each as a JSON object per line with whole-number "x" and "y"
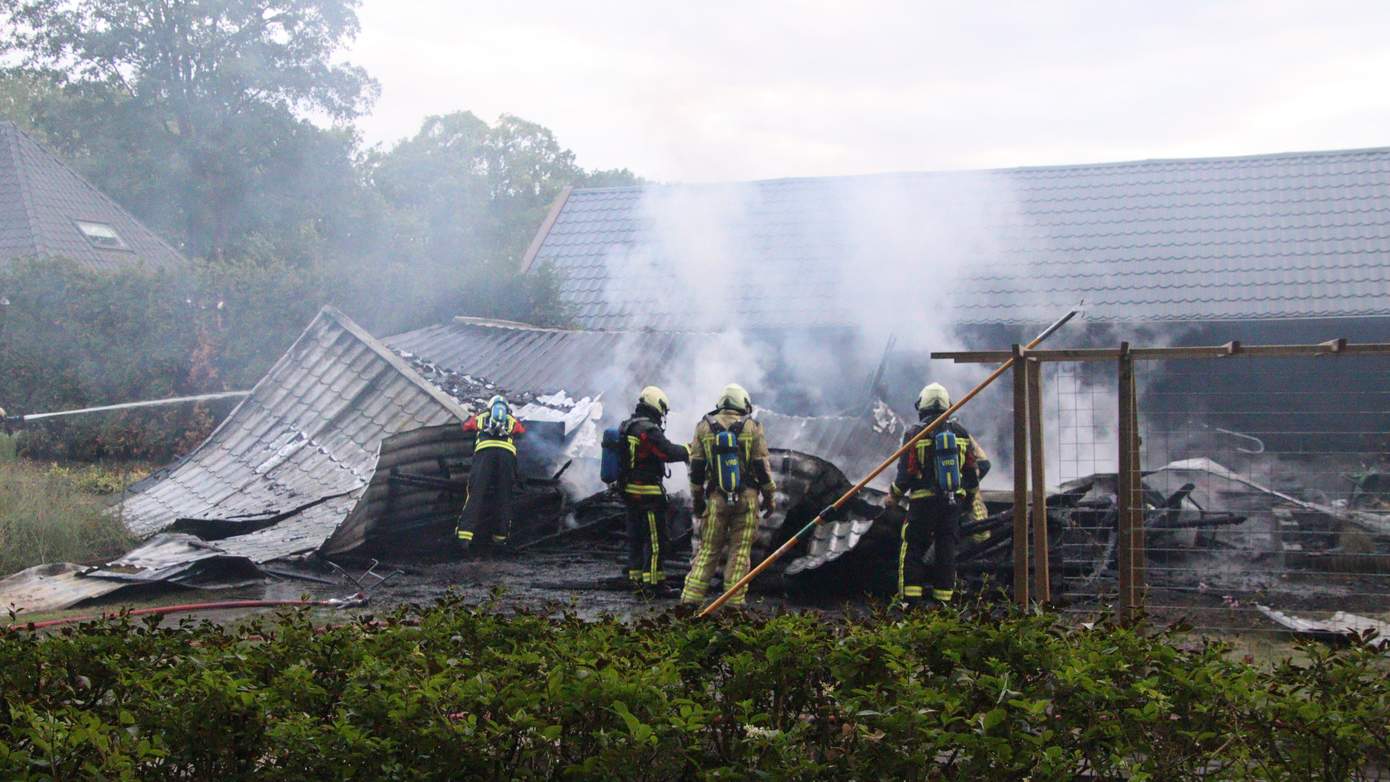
{"x": 730, "y": 478}
{"x": 647, "y": 451}
{"x": 937, "y": 477}
{"x": 492, "y": 475}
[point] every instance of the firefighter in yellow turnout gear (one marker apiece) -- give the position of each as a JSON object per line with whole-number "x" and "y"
{"x": 647, "y": 451}
{"x": 940, "y": 478}
{"x": 492, "y": 475}
{"x": 728, "y": 451}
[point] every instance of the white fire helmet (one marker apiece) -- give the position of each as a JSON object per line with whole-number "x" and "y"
{"x": 654, "y": 398}
{"x": 933, "y": 397}
{"x": 733, "y": 397}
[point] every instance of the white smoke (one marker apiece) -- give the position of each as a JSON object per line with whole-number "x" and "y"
{"x": 796, "y": 286}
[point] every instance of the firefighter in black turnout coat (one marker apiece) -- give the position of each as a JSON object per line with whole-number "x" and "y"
{"x": 936, "y": 477}
{"x": 646, "y": 452}
{"x": 492, "y": 475}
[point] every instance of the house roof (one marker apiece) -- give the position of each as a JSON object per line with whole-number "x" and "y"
{"x": 45, "y": 205}
{"x": 1299, "y": 235}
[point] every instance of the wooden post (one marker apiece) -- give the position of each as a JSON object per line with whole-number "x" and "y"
{"x": 1042, "y": 589}
{"x": 1125, "y": 494}
{"x": 1020, "y": 479}
{"x": 1138, "y": 550}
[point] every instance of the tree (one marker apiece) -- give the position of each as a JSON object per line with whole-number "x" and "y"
{"x": 193, "y": 111}
{"x": 463, "y": 199}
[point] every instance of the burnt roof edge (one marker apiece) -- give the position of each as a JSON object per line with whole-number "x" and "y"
{"x": 390, "y": 357}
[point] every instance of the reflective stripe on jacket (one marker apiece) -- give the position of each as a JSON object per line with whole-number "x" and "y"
{"x": 916, "y": 478}
{"x": 478, "y": 424}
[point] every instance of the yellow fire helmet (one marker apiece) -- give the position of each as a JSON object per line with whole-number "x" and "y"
{"x": 733, "y": 397}
{"x": 933, "y": 397}
{"x": 654, "y": 398}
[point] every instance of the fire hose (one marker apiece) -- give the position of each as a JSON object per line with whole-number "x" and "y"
{"x": 351, "y": 601}
{"x": 858, "y": 487}
{"x": 13, "y": 422}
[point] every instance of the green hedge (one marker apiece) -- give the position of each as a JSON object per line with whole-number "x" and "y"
{"x": 458, "y": 692}
{"x": 72, "y": 338}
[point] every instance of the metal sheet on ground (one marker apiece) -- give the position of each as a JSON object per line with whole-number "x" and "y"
{"x": 51, "y": 588}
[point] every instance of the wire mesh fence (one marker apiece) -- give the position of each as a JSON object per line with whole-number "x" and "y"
{"x": 1261, "y": 488}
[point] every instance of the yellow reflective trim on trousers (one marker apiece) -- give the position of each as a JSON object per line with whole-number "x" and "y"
{"x": 642, "y": 490}
{"x": 506, "y": 445}
{"x": 912, "y": 591}
{"x": 656, "y": 547}
{"x": 697, "y": 580}
{"x": 943, "y": 595}
{"x": 902, "y": 563}
{"x": 464, "y": 534}
{"x": 743, "y": 556}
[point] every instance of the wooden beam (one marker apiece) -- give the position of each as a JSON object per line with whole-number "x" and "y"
{"x": 1126, "y": 475}
{"x": 1334, "y": 347}
{"x": 1020, "y": 479}
{"x": 1042, "y": 590}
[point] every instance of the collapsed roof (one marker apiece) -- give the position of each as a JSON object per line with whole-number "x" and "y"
{"x": 1298, "y": 235}
{"x": 319, "y": 458}
{"x": 295, "y": 456}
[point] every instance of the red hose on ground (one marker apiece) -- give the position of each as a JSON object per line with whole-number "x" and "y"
{"x": 187, "y": 607}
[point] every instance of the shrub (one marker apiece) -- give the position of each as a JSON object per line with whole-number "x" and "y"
{"x": 72, "y": 338}
{"x": 463, "y": 692}
{"x": 57, "y": 514}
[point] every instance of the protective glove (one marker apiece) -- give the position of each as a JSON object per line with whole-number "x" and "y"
{"x": 697, "y": 503}
{"x": 769, "y": 504}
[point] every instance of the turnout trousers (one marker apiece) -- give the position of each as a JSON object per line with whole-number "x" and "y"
{"x": 487, "y": 514}
{"x": 929, "y": 520}
{"x": 646, "y": 538}
{"x": 726, "y": 538}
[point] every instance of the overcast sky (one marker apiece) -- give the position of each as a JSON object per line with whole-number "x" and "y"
{"x": 749, "y": 90}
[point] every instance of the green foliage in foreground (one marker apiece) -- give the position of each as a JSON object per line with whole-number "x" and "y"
{"x": 455, "y": 692}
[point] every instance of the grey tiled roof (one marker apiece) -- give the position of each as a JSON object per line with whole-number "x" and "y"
{"x": 304, "y": 442}
{"x": 42, "y": 200}
{"x": 521, "y": 357}
{"x": 1298, "y": 235}
{"x": 617, "y": 365}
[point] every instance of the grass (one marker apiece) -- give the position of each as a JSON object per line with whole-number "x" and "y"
{"x": 56, "y": 513}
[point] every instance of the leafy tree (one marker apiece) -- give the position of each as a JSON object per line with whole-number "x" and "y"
{"x": 463, "y": 200}
{"x": 194, "y": 110}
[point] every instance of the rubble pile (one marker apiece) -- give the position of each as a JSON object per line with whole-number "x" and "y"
{"x": 471, "y": 392}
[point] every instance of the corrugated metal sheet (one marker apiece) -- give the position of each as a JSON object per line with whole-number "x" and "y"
{"x": 51, "y": 587}
{"x": 305, "y": 440}
{"x": 41, "y": 200}
{"x": 1302, "y": 235}
{"x": 403, "y": 511}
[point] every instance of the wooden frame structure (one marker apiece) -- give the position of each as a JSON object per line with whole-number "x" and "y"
{"x": 1030, "y": 503}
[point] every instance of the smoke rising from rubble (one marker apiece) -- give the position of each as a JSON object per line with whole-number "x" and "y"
{"x": 899, "y": 256}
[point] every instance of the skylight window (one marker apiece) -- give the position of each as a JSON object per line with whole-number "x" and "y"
{"x": 101, "y": 235}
